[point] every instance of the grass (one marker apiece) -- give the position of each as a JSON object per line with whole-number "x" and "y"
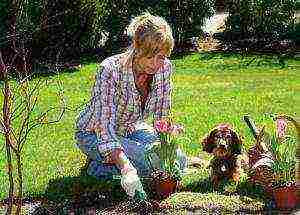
{"x": 207, "y": 89}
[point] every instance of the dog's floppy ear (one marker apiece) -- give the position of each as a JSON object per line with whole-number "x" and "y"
{"x": 236, "y": 147}
{"x": 208, "y": 142}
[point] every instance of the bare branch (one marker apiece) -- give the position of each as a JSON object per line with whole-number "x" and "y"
{"x": 1, "y": 126}
{"x": 39, "y": 119}
{"x": 14, "y": 141}
{"x": 2, "y": 130}
{"x": 42, "y": 123}
{"x": 25, "y": 124}
{"x": 36, "y": 87}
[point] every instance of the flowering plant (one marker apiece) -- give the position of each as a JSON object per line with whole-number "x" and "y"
{"x": 166, "y": 148}
{"x": 283, "y": 146}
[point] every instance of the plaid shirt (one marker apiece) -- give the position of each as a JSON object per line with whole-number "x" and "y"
{"x": 115, "y": 105}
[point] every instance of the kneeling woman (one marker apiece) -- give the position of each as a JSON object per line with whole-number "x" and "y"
{"x": 129, "y": 88}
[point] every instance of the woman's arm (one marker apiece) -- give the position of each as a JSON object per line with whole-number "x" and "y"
{"x": 105, "y": 109}
{"x": 162, "y": 92}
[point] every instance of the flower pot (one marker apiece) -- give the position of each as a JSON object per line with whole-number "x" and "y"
{"x": 163, "y": 184}
{"x": 285, "y": 197}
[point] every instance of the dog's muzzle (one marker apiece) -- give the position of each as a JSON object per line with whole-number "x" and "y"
{"x": 223, "y": 143}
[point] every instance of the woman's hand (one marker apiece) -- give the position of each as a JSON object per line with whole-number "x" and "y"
{"x": 131, "y": 183}
{"x": 130, "y": 180}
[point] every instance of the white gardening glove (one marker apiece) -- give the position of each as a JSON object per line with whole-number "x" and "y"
{"x": 130, "y": 182}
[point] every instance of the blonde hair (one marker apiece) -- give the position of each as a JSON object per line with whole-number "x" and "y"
{"x": 150, "y": 34}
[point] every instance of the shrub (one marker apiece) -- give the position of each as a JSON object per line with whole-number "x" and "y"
{"x": 274, "y": 17}
{"x": 3, "y": 19}
{"x": 49, "y": 29}
{"x": 70, "y": 27}
{"x": 185, "y": 17}
{"x": 260, "y": 25}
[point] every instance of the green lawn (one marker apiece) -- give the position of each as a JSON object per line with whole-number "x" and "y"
{"x": 208, "y": 89}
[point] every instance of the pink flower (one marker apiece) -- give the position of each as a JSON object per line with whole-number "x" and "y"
{"x": 281, "y": 126}
{"x": 162, "y": 126}
{"x": 176, "y": 129}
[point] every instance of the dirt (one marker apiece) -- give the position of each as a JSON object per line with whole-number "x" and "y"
{"x": 101, "y": 204}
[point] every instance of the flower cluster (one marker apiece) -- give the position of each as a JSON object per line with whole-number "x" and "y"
{"x": 166, "y": 127}
{"x": 281, "y": 127}
{"x": 168, "y": 133}
{"x": 283, "y": 148}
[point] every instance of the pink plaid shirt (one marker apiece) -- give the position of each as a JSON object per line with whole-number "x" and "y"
{"x": 115, "y": 105}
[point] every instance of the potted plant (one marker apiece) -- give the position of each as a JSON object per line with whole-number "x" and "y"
{"x": 272, "y": 161}
{"x": 284, "y": 166}
{"x": 166, "y": 178}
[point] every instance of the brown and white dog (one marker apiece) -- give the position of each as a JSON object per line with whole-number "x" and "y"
{"x": 226, "y": 146}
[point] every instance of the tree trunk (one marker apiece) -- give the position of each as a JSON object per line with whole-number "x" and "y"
{"x": 8, "y": 141}
{"x": 20, "y": 182}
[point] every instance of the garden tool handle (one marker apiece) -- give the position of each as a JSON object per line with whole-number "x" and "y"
{"x": 251, "y": 125}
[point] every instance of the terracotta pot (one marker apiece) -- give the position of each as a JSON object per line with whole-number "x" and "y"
{"x": 285, "y": 197}
{"x": 164, "y": 185}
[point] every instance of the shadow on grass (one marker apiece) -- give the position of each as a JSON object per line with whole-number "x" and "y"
{"x": 244, "y": 188}
{"x": 199, "y": 186}
{"x": 180, "y": 55}
{"x": 81, "y": 194}
{"x": 253, "y": 191}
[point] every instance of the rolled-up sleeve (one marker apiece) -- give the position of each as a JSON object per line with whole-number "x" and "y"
{"x": 105, "y": 109}
{"x": 163, "y": 93}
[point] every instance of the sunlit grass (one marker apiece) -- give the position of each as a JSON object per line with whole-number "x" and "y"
{"x": 207, "y": 89}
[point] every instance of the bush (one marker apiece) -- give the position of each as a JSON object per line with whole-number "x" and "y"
{"x": 70, "y": 27}
{"x": 3, "y": 19}
{"x": 55, "y": 30}
{"x": 186, "y": 18}
{"x": 264, "y": 25}
{"x": 119, "y": 14}
{"x": 274, "y": 17}
{"x": 59, "y": 31}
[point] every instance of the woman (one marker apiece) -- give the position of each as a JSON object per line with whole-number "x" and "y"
{"x": 129, "y": 88}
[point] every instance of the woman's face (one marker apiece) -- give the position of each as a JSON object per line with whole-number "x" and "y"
{"x": 151, "y": 65}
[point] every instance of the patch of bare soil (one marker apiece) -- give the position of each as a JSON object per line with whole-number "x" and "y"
{"x": 98, "y": 203}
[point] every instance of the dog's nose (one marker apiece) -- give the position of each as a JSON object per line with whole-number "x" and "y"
{"x": 223, "y": 143}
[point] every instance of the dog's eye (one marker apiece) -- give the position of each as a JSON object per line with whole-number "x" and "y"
{"x": 228, "y": 135}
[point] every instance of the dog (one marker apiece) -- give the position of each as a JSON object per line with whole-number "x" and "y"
{"x": 226, "y": 146}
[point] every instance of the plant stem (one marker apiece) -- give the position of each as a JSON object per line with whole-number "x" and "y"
{"x": 8, "y": 142}
{"x": 20, "y": 182}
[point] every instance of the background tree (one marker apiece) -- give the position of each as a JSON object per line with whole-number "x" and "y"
{"x": 66, "y": 29}
{"x": 185, "y": 17}
{"x": 72, "y": 27}
{"x": 20, "y": 98}
{"x": 269, "y": 17}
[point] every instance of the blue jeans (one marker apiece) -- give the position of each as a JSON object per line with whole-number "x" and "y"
{"x": 135, "y": 146}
